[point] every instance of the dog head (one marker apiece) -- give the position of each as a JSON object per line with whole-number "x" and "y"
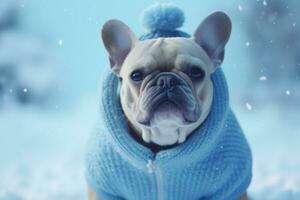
{"x": 166, "y": 89}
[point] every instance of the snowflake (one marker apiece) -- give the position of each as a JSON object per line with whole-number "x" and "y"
{"x": 287, "y": 92}
{"x": 262, "y": 78}
{"x": 265, "y": 3}
{"x": 248, "y": 44}
{"x": 249, "y": 106}
{"x": 60, "y": 42}
{"x": 240, "y": 8}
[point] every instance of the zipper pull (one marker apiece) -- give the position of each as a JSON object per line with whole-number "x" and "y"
{"x": 150, "y": 166}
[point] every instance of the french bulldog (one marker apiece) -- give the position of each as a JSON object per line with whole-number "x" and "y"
{"x": 166, "y": 89}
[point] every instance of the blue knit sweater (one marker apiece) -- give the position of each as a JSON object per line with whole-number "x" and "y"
{"x": 213, "y": 163}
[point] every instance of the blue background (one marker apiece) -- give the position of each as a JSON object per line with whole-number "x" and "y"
{"x": 44, "y": 124}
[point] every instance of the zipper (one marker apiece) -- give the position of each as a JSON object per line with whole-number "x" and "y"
{"x": 158, "y": 178}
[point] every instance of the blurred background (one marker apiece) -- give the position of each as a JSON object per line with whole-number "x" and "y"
{"x": 51, "y": 59}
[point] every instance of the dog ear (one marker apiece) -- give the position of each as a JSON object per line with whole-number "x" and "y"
{"x": 212, "y": 35}
{"x": 118, "y": 40}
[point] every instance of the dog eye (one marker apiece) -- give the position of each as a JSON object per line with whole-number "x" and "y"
{"x": 196, "y": 72}
{"x": 137, "y": 75}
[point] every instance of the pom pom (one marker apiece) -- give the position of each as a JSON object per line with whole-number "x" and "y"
{"x": 162, "y": 17}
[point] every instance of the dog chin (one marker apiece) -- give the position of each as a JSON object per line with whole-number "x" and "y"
{"x": 166, "y": 126}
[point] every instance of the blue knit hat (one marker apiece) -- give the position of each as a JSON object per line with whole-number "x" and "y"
{"x": 162, "y": 20}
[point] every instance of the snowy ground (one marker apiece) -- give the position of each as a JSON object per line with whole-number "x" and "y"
{"x": 42, "y": 152}
{"x": 274, "y": 139}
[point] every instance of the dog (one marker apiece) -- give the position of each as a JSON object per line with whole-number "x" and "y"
{"x": 166, "y": 89}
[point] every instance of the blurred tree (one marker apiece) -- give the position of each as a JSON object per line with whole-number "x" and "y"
{"x": 8, "y": 15}
{"x": 28, "y": 69}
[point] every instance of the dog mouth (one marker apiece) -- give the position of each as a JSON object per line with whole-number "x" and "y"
{"x": 169, "y": 109}
{"x": 167, "y": 112}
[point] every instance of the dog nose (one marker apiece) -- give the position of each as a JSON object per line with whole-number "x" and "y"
{"x": 166, "y": 81}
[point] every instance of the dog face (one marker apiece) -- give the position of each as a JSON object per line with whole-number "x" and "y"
{"x": 166, "y": 89}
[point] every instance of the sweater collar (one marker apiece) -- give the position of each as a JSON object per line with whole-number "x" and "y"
{"x": 196, "y": 147}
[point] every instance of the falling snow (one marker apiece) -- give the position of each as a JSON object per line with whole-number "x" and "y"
{"x": 240, "y": 8}
{"x": 263, "y": 78}
{"x": 248, "y": 106}
{"x": 60, "y": 42}
{"x": 265, "y": 3}
{"x": 45, "y": 174}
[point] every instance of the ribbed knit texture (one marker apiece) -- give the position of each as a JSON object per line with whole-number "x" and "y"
{"x": 213, "y": 163}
